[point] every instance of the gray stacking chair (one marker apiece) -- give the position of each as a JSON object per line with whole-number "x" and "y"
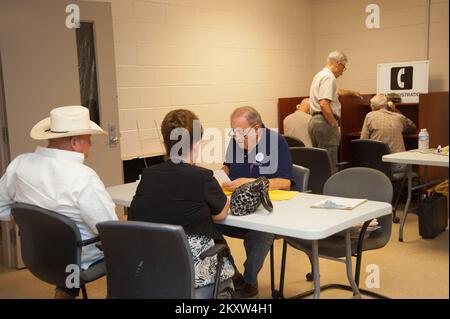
{"x": 301, "y": 176}
{"x": 153, "y": 261}
{"x": 369, "y": 153}
{"x": 51, "y": 241}
{"x": 357, "y": 182}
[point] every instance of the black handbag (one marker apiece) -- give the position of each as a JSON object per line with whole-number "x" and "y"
{"x": 432, "y": 215}
{"x": 249, "y": 196}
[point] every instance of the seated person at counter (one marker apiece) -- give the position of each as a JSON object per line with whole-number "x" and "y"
{"x": 296, "y": 124}
{"x": 179, "y": 193}
{"x": 254, "y": 151}
{"x": 386, "y": 124}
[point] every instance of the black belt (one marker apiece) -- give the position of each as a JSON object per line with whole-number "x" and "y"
{"x": 320, "y": 113}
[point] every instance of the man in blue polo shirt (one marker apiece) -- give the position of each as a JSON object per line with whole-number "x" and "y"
{"x": 254, "y": 151}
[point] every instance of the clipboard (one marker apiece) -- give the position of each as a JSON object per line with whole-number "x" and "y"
{"x": 339, "y": 203}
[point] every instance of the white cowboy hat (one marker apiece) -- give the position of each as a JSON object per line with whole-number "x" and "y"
{"x": 65, "y": 121}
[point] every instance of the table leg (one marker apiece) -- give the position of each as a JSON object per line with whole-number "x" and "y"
{"x": 408, "y": 202}
{"x": 315, "y": 264}
{"x": 348, "y": 264}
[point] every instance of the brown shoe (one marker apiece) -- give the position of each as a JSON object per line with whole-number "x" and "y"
{"x": 249, "y": 291}
{"x": 61, "y": 294}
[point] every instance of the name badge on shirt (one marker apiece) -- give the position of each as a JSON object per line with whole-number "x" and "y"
{"x": 259, "y": 158}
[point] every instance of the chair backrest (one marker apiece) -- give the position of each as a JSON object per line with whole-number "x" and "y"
{"x": 368, "y": 183}
{"x": 301, "y": 176}
{"x": 49, "y": 242}
{"x": 368, "y": 153}
{"x": 318, "y": 161}
{"x": 146, "y": 260}
{"x": 293, "y": 141}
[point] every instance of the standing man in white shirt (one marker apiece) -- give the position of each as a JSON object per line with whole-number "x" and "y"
{"x": 55, "y": 178}
{"x": 325, "y": 106}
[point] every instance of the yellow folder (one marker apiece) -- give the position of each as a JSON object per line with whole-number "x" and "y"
{"x": 275, "y": 195}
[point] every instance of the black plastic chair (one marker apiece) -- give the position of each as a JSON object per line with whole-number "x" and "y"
{"x": 318, "y": 161}
{"x": 49, "y": 243}
{"x": 357, "y": 182}
{"x": 153, "y": 261}
{"x": 369, "y": 153}
{"x": 293, "y": 141}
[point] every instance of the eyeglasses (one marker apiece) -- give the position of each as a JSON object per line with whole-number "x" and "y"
{"x": 344, "y": 67}
{"x": 240, "y": 133}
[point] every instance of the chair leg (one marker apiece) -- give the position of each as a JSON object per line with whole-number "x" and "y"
{"x": 84, "y": 292}
{"x": 310, "y": 276}
{"x": 282, "y": 270}
{"x": 346, "y": 287}
{"x": 395, "y": 219}
{"x": 218, "y": 273}
{"x": 272, "y": 271}
{"x": 359, "y": 251}
{"x": 358, "y": 269}
{"x": 358, "y": 255}
{"x": 341, "y": 287}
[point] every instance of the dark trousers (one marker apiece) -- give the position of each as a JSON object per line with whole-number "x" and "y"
{"x": 257, "y": 245}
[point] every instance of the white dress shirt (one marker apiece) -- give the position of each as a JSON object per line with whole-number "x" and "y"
{"x": 323, "y": 87}
{"x": 58, "y": 180}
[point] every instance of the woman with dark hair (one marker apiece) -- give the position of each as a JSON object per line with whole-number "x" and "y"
{"x": 179, "y": 193}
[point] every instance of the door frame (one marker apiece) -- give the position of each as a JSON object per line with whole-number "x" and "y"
{"x": 100, "y": 14}
{"x": 5, "y": 156}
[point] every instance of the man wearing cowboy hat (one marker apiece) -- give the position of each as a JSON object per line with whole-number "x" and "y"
{"x": 55, "y": 178}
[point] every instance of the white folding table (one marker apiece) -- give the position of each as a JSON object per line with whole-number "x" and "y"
{"x": 415, "y": 157}
{"x": 294, "y": 218}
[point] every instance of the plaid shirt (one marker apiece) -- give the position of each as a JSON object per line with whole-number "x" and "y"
{"x": 387, "y": 127}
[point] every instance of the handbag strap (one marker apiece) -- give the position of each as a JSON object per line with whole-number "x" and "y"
{"x": 265, "y": 200}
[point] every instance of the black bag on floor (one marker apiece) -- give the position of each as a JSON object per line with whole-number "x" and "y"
{"x": 432, "y": 215}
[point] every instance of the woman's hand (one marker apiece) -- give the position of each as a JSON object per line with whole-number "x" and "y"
{"x": 236, "y": 183}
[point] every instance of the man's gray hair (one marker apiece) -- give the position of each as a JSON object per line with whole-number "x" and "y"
{"x": 337, "y": 57}
{"x": 251, "y": 114}
{"x": 378, "y": 101}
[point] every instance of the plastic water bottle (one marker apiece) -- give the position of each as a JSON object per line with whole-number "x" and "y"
{"x": 424, "y": 139}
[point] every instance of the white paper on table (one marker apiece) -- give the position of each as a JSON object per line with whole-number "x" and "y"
{"x": 221, "y": 176}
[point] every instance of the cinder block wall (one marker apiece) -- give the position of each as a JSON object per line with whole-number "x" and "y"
{"x": 209, "y": 56}
{"x": 213, "y": 55}
{"x": 402, "y": 37}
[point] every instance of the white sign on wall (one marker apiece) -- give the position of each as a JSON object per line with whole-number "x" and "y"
{"x": 407, "y": 79}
